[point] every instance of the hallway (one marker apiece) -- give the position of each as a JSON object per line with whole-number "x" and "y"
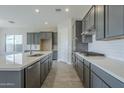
{"x": 62, "y": 75}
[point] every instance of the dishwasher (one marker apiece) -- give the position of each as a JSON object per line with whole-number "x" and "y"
{"x": 32, "y": 76}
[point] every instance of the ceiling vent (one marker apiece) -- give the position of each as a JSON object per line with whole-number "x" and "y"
{"x": 58, "y": 10}
{"x": 12, "y": 22}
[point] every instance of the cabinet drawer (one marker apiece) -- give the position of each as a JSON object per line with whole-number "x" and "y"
{"x": 110, "y": 80}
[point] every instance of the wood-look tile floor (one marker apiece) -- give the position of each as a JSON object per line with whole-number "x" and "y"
{"x": 62, "y": 75}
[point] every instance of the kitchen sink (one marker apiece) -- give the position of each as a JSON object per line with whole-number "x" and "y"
{"x": 35, "y": 55}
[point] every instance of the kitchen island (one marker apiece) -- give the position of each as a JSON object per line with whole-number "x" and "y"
{"x": 22, "y": 70}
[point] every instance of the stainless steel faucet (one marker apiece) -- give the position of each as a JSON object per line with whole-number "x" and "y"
{"x": 30, "y": 49}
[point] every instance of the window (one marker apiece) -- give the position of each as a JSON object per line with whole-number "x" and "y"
{"x": 14, "y": 43}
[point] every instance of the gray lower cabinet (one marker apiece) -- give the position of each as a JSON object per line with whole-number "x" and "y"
{"x": 42, "y": 72}
{"x": 32, "y": 76}
{"x": 108, "y": 80}
{"x": 80, "y": 70}
{"x": 55, "y": 53}
{"x": 12, "y": 79}
{"x": 45, "y": 66}
{"x": 92, "y": 76}
{"x": 96, "y": 82}
{"x": 86, "y": 78}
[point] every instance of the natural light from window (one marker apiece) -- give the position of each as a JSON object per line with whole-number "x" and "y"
{"x": 14, "y": 43}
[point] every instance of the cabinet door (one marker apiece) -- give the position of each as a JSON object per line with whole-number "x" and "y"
{"x": 95, "y": 81}
{"x": 12, "y": 79}
{"x": 46, "y": 35}
{"x": 80, "y": 66}
{"x": 92, "y": 18}
{"x": 104, "y": 85}
{"x": 87, "y": 22}
{"x": 33, "y": 76}
{"x": 37, "y": 38}
{"x": 83, "y": 25}
{"x": 114, "y": 20}
{"x": 99, "y": 22}
{"x": 42, "y": 72}
{"x": 49, "y": 35}
{"x": 29, "y": 38}
{"x": 86, "y": 77}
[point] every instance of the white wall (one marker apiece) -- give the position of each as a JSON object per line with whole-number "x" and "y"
{"x": 64, "y": 41}
{"x": 113, "y": 49}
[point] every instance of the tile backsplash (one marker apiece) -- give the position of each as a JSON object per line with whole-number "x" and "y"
{"x": 112, "y": 49}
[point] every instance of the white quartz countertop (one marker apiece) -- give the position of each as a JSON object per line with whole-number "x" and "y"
{"x": 111, "y": 66}
{"x": 19, "y": 61}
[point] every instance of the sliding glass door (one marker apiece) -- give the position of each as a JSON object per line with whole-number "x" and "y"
{"x": 14, "y": 43}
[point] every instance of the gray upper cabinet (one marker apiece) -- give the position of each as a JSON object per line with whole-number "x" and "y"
{"x": 37, "y": 38}
{"x": 87, "y": 22}
{"x": 92, "y": 15}
{"x": 88, "y": 25}
{"x": 109, "y": 21}
{"x": 99, "y": 22}
{"x": 89, "y": 19}
{"x": 34, "y": 37}
{"x": 43, "y": 35}
{"x": 46, "y": 35}
{"x": 30, "y": 38}
{"x": 114, "y": 20}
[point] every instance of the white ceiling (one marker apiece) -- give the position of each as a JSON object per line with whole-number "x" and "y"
{"x": 25, "y": 16}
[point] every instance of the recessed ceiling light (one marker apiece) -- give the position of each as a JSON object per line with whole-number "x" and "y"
{"x": 37, "y": 10}
{"x": 46, "y": 23}
{"x": 67, "y": 10}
